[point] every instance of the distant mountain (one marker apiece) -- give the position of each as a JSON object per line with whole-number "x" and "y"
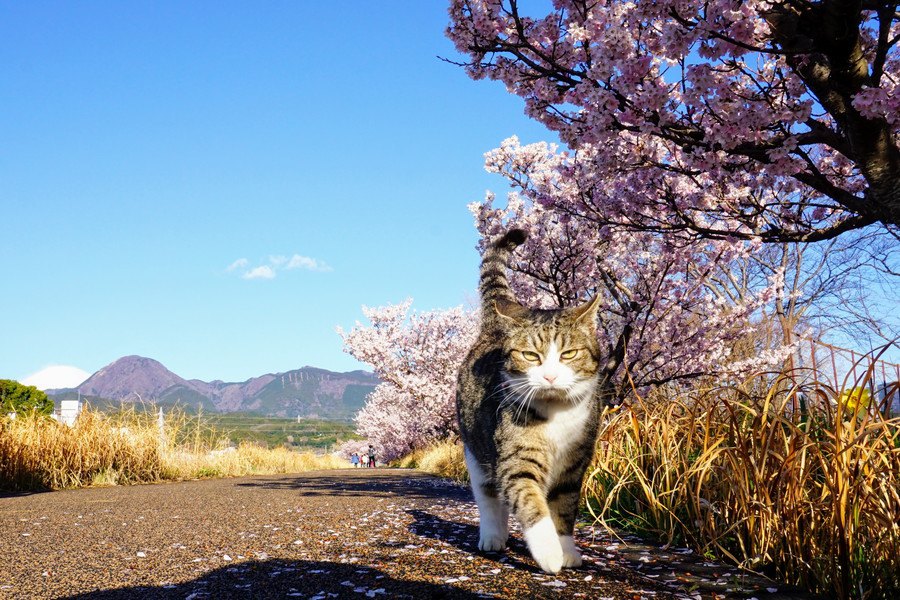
{"x": 131, "y": 378}
{"x": 307, "y": 392}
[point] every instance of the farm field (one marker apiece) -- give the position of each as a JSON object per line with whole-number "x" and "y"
{"x": 315, "y": 435}
{"x": 306, "y": 434}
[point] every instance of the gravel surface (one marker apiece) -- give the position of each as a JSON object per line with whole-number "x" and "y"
{"x": 355, "y": 533}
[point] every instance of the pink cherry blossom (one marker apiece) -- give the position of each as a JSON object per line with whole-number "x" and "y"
{"x": 691, "y": 132}
{"x": 660, "y": 285}
{"x": 725, "y": 117}
{"x": 416, "y": 356}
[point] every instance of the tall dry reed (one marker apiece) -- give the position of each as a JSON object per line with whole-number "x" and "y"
{"x": 38, "y": 453}
{"x": 444, "y": 459}
{"x": 810, "y": 494}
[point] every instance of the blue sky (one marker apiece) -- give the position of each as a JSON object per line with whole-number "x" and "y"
{"x": 147, "y": 147}
{"x": 219, "y": 185}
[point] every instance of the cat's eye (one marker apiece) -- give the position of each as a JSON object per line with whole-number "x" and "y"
{"x": 569, "y": 354}
{"x": 531, "y": 356}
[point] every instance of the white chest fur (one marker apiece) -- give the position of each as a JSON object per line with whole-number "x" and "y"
{"x": 564, "y": 429}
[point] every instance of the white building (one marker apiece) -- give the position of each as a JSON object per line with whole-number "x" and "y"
{"x": 68, "y": 411}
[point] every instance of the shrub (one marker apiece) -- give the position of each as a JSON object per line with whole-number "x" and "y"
{"x": 810, "y": 496}
{"x": 38, "y": 453}
{"x": 444, "y": 459}
{"x": 18, "y": 398}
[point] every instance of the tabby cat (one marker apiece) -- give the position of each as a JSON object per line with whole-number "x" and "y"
{"x": 528, "y": 408}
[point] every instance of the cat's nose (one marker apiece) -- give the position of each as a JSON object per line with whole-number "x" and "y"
{"x": 550, "y": 378}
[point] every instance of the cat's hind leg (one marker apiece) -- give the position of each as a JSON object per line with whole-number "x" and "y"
{"x": 493, "y": 515}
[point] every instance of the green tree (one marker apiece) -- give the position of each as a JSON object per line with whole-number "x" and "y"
{"x": 15, "y": 397}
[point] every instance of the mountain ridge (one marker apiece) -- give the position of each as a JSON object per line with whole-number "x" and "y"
{"x": 310, "y": 392}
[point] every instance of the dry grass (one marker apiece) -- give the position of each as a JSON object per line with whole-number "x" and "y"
{"x": 812, "y": 495}
{"x": 799, "y": 487}
{"x": 444, "y": 459}
{"x": 39, "y": 453}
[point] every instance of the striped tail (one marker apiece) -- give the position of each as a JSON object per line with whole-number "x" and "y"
{"x": 493, "y": 285}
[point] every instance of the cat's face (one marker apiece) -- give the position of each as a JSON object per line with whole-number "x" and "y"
{"x": 552, "y": 368}
{"x": 553, "y": 355}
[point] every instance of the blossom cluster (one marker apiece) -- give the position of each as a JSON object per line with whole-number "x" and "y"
{"x": 696, "y": 114}
{"x": 661, "y": 285}
{"x": 416, "y": 357}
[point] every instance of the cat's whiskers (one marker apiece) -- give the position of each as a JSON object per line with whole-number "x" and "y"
{"x": 504, "y": 389}
{"x": 525, "y": 403}
{"x": 518, "y": 393}
{"x": 512, "y": 392}
{"x": 588, "y": 385}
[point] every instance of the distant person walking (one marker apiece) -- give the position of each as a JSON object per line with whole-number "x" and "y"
{"x": 371, "y": 456}
{"x": 354, "y": 459}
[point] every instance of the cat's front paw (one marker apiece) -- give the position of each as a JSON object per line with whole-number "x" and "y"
{"x": 543, "y": 543}
{"x": 571, "y": 555}
{"x": 491, "y": 542}
{"x": 550, "y": 560}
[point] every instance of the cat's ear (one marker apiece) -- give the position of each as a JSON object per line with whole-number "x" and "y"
{"x": 587, "y": 312}
{"x": 510, "y": 311}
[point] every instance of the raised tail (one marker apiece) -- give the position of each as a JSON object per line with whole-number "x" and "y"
{"x": 493, "y": 285}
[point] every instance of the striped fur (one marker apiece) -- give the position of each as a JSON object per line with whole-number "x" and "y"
{"x": 528, "y": 408}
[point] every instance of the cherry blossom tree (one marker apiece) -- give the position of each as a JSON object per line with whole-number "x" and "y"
{"x": 694, "y": 132}
{"x": 773, "y": 120}
{"x": 662, "y": 318}
{"x": 416, "y": 356}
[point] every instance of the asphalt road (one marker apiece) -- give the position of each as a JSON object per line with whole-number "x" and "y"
{"x": 363, "y": 533}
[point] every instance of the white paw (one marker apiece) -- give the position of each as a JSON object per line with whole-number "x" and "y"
{"x": 549, "y": 560}
{"x": 491, "y": 542}
{"x": 543, "y": 543}
{"x": 571, "y": 555}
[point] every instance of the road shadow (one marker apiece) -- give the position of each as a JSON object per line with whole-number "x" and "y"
{"x": 20, "y": 493}
{"x": 687, "y": 573}
{"x": 371, "y": 483}
{"x": 287, "y": 579}
{"x": 464, "y": 536}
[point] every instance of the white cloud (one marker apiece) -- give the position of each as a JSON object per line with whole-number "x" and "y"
{"x": 261, "y": 272}
{"x": 56, "y": 377}
{"x": 304, "y": 262}
{"x": 238, "y": 264}
{"x": 276, "y": 263}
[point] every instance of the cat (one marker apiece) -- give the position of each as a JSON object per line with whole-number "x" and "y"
{"x": 528, "y": 404}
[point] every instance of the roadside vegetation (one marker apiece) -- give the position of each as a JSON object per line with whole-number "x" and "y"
{"x": 444, "y": 459}
{"x": 777, "y": 478}
{"x": 132, "y": 446}
{"x": 315, "y": 435}
{"x": 797, "y": 485}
